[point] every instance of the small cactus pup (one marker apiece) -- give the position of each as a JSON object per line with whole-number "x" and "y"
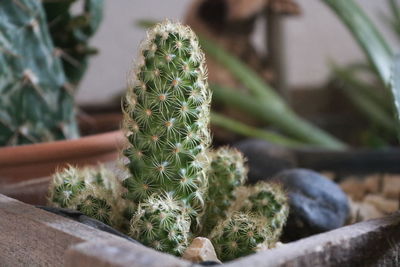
{"x": 166, "y": 119}
{"x": 227, "y": 172}
{"x": 241, "y": 234}
{"x": 93, "y": 191}
{"x": 160, "y": 222}
{"x": 267, "y": 200}
{"x": 36, "y": 105}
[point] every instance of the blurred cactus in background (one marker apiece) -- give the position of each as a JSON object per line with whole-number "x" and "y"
{"x": 36, "y": 103}
{"x": 36, "y": 87}
{"x": 71, "y": 33}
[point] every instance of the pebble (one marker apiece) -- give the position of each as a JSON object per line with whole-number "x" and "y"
{"x": 361, "y": 211}
{"x": 383, "y": 204}
{"x": 355, "y": 188}
{"x": 201, "y": 250}
{"x": 391, "y": 186}
{"x": 317, "y": 204}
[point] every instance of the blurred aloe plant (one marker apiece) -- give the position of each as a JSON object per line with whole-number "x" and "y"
{"x": 373, "y": 98}
{"x": 262, "y": 102}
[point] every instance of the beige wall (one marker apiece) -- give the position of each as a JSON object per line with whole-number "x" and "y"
{"x": 311, "y": 41}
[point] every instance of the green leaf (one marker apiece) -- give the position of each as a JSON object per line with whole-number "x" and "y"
{"x": 367, "y": 35}
{"x": 376, "y": 93}
{"x": 286, "y": 120}
{"x": 249, "y": 131}
{"x": 248, "y": 77}
{"x": 395, "y": 86}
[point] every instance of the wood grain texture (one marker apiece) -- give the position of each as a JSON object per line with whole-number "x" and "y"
{"x": 33, "y": 237}
{"x": 112, "y": 254}
{"x": 370, "y": 243}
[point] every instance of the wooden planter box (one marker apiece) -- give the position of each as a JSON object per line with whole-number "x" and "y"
{"x": 33, "y": 237}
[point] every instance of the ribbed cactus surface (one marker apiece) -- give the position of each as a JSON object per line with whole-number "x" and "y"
{"x": 36, "y": 105}
{"x": 166, "y": 117}
{"x": 227, "y": 172}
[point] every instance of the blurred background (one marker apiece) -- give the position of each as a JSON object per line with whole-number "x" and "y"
{"x": 292, "y": 72}
{"x": 311, "y": 40}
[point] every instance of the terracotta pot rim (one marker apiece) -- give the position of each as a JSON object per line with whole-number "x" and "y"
{"x": 51, "y": 151}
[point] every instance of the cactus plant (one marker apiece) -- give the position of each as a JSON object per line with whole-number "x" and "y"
{"x": 267, "y": 200}
{"x": 239, "y": 235}
{"x": 227, "y": 172}
{"x": 166, "y": 117}
{"x": 254, "y": 220}
{"x": 36, "y": 103}
{"x": 71, "y": 33}
{"x": 159, "y": 222}
{"x": 171, "y": 191}
{"x": 93, "y": 191}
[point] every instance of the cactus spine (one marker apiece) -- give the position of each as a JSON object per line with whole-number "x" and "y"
{"x": 35, "y": 103}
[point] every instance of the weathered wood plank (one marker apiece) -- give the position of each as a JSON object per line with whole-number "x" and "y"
{"x": 370, "y": 243}
{"x": 34, "y": 191}
{"x": 33, "y": 237}
{"x": 111, "y": 253}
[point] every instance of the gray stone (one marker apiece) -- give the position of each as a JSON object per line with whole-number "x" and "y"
{"x": 316, "y": 203}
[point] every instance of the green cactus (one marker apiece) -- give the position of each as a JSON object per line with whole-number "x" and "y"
{"x": 92, "y": 191}
{"x": 237, "y": 210}
{"x": 71, "y": 33}
{"x": 227, "y": 172}
{"x": 159, "y": 222}
{"x": 172, "y": 191}
{"x": 239, "y": 235}
{"x": 166, "y": 117}
{"x": 36, "y": 105}
{"x": 267, "y": 200}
